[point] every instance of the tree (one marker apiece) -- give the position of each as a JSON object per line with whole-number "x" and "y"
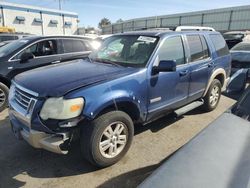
{"x": 119, "y": 21}
{"x": 104, "y": 22}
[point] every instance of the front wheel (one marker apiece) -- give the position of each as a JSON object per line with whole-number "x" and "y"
{"x": 212, "y": 98}
{"x": 4, "y": 92}
{"x": 107, "y": 139}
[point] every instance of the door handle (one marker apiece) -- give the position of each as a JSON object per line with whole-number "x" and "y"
{"x": 183, "y": 73}
{"x": 55, "y": 62}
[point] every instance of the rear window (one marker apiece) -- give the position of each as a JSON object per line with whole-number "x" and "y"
{"x": 198, "y": 47}
{"x": 74, "y": 46}
{"x": 219, "y": 44}
{"x": 241, "y": 47}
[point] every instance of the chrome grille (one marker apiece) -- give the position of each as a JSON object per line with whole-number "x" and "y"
{"x": 24, "y": 99}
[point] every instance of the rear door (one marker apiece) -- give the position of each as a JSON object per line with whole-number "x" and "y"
{"x": 45, "y": 53}
{"x": 74, "y": 49}
{"x": 199, "y": 62}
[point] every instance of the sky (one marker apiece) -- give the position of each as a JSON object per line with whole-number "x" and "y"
{"x": 92, "y": 11}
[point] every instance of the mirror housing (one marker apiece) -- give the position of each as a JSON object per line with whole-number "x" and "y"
{"x": 165, "y": 66}
{"x": 26, "y": 56}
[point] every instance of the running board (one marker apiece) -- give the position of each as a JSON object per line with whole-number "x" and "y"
{"x": 188, "y": 108}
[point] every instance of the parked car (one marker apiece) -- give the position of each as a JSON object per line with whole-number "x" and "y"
{"x": 133, "y": 78}
{"x": 36, "y": 51}
{"x": 240, "y": 56}
{"x": 234, "y": 37}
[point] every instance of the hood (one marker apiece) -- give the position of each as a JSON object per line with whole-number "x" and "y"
{"x": 241, "y": 56}
{"x": 57, "y": 80}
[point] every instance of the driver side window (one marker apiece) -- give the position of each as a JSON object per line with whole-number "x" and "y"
{"x": 172, "y": 49}
{"x": 43, "y": 48}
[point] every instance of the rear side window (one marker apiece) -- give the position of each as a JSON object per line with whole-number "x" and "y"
{"x": 219, "y": 44}
{"x": 198, "y": 47}
{"x": 71, "y": 46}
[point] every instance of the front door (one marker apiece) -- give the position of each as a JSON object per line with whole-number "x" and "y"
{"x": 44, "y": 52}
{"x": 169, "y": 90}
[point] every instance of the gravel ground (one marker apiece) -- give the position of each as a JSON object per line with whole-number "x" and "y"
{"x": 21, "y": 165}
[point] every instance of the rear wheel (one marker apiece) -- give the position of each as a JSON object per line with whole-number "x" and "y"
{"x": 212, "y": 98}
{"x": 4, "y": 92}
{"x": 107, "y": 139}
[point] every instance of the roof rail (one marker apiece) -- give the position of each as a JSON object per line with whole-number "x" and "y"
{"x": 194, "y": 28}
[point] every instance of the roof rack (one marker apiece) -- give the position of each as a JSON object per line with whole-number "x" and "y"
{"x": 194, "y": 28}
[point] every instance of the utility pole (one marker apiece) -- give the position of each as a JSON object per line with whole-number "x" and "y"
{"x": 60, "y": 4}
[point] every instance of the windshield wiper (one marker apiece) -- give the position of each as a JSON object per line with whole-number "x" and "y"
{"x": 107, "y": 61}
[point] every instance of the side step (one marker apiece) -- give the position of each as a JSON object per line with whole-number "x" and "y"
{"x": 188, "y": 108}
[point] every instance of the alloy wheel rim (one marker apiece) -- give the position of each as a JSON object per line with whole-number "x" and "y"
{"x": 113, "y": 140}
{"x": 214, "y": 96}
{"x": 2, "y": 97}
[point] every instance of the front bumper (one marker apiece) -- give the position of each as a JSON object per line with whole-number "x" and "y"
{"x": 45, "y": 141}
{"x": 37, "y": 139}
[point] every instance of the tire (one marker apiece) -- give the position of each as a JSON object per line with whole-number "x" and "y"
{"x": 4, "y": 93}
{"x": 212, "y": 98}
{"x": 98, "y": 131}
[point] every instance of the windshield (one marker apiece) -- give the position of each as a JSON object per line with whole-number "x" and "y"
{"x": 9, "y": 48}
{"x": 241, "y": 47}
{"x": 233, "y": 36}
{"x": 126, "y": 50}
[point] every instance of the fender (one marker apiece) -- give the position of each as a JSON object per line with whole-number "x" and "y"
{"x": 213, "y": 76}
{"x": 5, "y": 81}
{"x": 113, "y": 98}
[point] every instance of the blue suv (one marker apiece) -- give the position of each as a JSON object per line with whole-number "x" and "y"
{"x": 134, "y": 78}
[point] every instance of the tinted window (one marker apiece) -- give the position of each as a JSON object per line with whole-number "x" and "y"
{"x": 43, "y": 48}
{"x": 74, "y": 46}
{"x": 6, "y": 38}
{"x": 195, "y": 46}
{"x": 241, "y": 47}
{"x": 204, "y": 47}
{"x": 219, "y": 44}
{"x": 172, "y": 49}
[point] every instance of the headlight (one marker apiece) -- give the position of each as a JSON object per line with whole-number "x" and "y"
{"x": 61, "y": 109}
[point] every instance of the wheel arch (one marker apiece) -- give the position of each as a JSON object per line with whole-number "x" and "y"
{"x": 219, "y": 74}
{"x": 5, "y": 81}
{"x": 127, "y": 106}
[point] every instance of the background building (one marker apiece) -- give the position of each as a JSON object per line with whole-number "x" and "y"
{"x": 233, "y": 18}
{"x": 36, "y": 20}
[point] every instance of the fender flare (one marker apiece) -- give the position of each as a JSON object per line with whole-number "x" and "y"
{"x": 95, "y": 110}
{"x": 213, "y": 76}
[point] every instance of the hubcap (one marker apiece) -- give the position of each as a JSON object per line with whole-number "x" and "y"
{"x": 2, "y": 97}
{"x": 113, "y": 140}
{"x": 214, "y": 96}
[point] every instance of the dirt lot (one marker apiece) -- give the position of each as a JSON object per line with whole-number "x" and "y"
{"x": 21, "y": 165}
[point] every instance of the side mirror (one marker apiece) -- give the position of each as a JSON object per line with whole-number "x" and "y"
{"x": 26, "y": 56}
{"x": 165, "y": 66}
